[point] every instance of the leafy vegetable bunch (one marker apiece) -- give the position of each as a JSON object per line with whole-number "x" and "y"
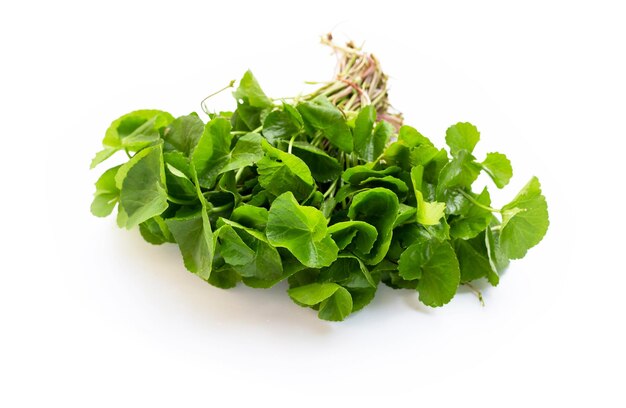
{"x": 327, "y": 191}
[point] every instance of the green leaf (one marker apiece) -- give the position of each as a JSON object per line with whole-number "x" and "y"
{"x": 362, "y": 133}
{"x": 440, "y": 275}
{"x": 107, "y": 194}
{"x": 361, "y": 234}
{"x": 323, "y": 116}
{"x": 524, "y": 221}
{"x": 232, "y": 247}
{"x": 247, "y": 151}
{"x": 473, "y": 259}
{"x": 499, "y": 168}
{"x": 224, "y": 277}
{"x": 261, "y": 261}
{"x": 370, "y": 141}
{"x": 280, "y": 172}
{"x": 357, "y": 174}
{"x": 290, "y": 267}
{"x": 132, "y": 131}
{"x": 302, "y": 230}
{"x": 349, "y": 271}
{"x": 250, "y": 216}
{"x": 323, "y": 167}
{"x": 335, "y": 301}
{"x": 337, "y": 307}
{"x": 473, "y": 219}
{"x": 282, "y": 124}
{"x": 497, "y": 259}
{"x": 195, "y": 241}
{"x": 250, "y": 92}
{"x": 462, "y": 136}
{"x": 177, "y": 177}
{"x": 440, "y": 231}
{"x": 389, "y": 182}
{"x": 427, "y": 213}
{"x": 102, "y": 155}
{"x": 183, "y": 134}
{"x": 433, "y": 162}
{"x": 379, "y": 208}
{"x": 312, "y": 294}
{"x": 155, "y": 231}
{"x": 406, "y": 214}
{"x": 461, "y": 171}
{"x": 141, "y": 181}
{"x": 412, "y": 138}
{"x": 128, "y": 124}
{"x": 413, "y": 259}
{"x": 398, "y": 154}
{"x": 212, "y": 152}
{"x": 252, "y": 104}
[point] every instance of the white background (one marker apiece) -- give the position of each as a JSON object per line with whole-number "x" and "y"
{"x": 90, "y": 315}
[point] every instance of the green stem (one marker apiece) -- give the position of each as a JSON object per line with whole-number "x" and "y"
{"x": 477, "y": 292}
{"x": 317, "y": 139}
{"x": 238, "y": 174}
{"x": 220, "y": 208}
{"x": 331, "y": 189}
{"x": 202, "y": 104}
{"x": 291, "y": 143}
{"x": 476, "y": 203}
{"x": 181, "y": 202}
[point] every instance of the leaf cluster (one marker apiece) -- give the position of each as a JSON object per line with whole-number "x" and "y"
{"x": 333, "y": 202}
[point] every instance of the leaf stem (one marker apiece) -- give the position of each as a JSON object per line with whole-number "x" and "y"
{"x": 291, "y": 143}
{"x": 478, "y": 204}
{"x": 331, "y": 189}
{"x": 203, "y": 103}
{"x": 238, "y": 174}
{"x": 179, "y": 201}
{"x": 476, "y": 292}
{"x": 220, "y": 208}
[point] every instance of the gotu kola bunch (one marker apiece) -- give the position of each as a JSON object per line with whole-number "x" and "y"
{"x": 328, "y": 191}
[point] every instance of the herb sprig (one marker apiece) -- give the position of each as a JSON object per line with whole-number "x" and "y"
{"x": 328, "y": 191}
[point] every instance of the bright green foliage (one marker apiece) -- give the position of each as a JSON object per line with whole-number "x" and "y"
{"x": 183, "y": 134}
{"x": 370, "y": 138}
{"x": 280, "y": 172}
{"x": 302, "y": 230}
{"x": 247, "y": 151}
{"x": 473, "y": 219}
{"x": 141, "y": 182}
{"x": 462, "y": 136}
{"x": 524, "y": 221}
{"x": 427, "y": 213}
{"x": 107, "y": 194}
{"x": 195, "y": 240}
{"x": 212, "y": 151}
{"x": 377, "y": 207}
{"x": 357, "y": 234}
{"x": 499, "y": 168}
{"x": 335, "y": 302}
{"x": 331, "y": 201}
{"x": 322, "y": 116}
{"x": 132, "y": 132}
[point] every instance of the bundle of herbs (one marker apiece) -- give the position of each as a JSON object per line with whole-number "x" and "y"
{"x": 328, "y": 191}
